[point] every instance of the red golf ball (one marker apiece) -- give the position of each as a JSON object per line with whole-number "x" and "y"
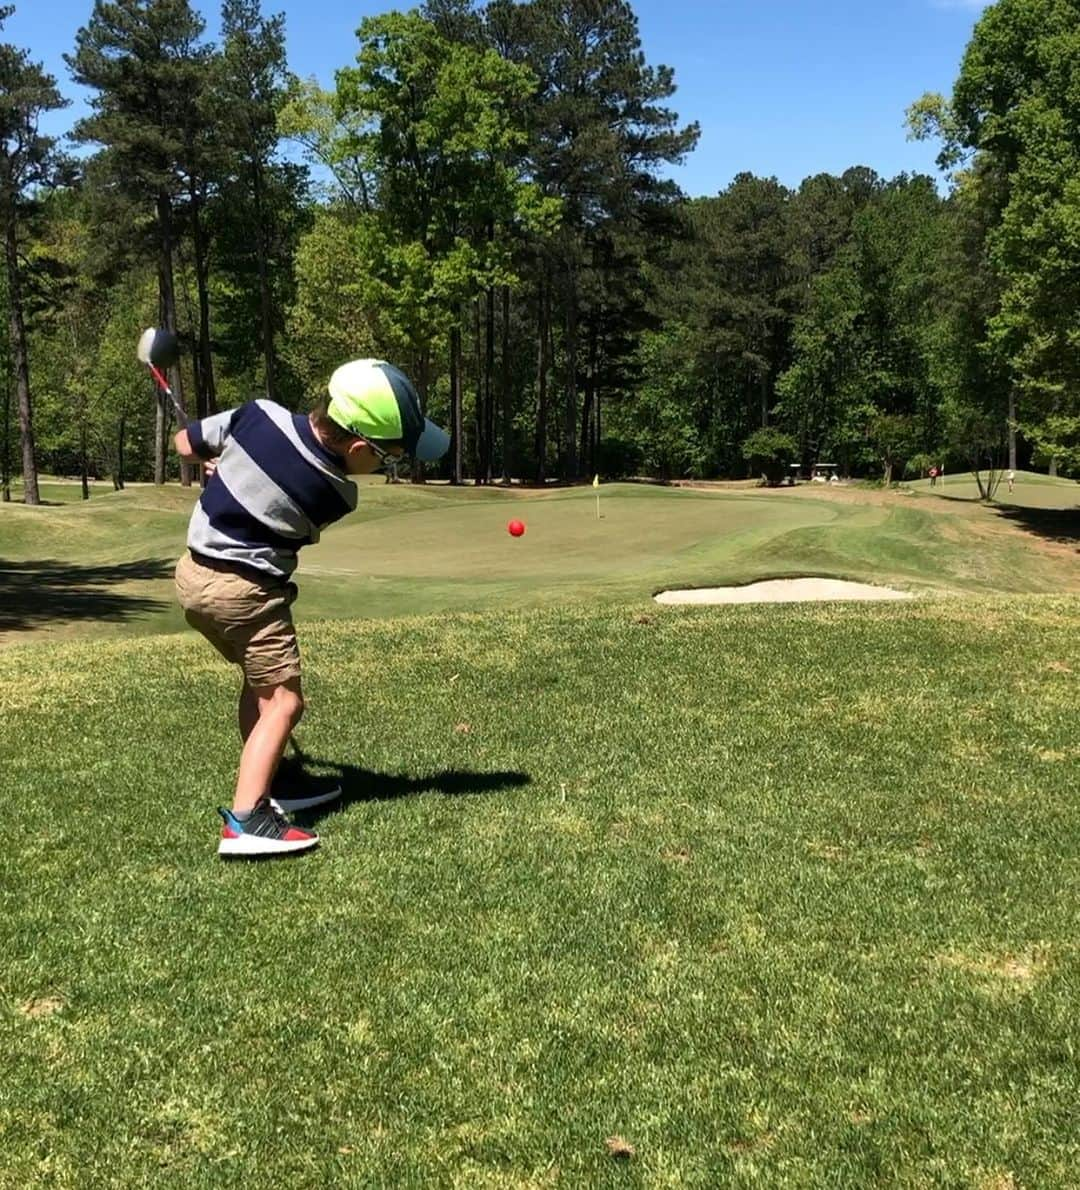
{"x": 515, "y": 528}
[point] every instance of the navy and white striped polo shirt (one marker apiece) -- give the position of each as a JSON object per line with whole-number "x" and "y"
{"x": 276, "y": 486}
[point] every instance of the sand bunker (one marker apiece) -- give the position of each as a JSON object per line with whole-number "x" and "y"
{"x": 783, "y": 590}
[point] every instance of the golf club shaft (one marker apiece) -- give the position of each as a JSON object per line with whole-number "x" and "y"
{"x": 182, "y": 417}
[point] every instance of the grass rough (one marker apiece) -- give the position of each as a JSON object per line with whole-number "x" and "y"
{"x": 702, "y": 897}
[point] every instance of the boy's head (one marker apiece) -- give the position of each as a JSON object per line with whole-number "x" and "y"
{"x": 360, "y": 454}
{"x": 372, "y": 411}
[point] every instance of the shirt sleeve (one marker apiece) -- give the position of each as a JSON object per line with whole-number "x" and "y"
{"x": 207, "y": 437}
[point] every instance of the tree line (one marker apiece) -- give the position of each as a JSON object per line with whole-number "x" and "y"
{"x": 484, "y": 198}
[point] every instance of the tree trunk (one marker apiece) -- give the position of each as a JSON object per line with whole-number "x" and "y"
{"x": 266, "y": 307}
{"x": 5, "y": 448}
{"x": 118, "y": 482}
{"x": 17, "y": 332}
{"x": 489, "y": 390}
{"x": 569, "y": 445}
{"x": 205, "y": 394}
{"x": 196, "y": 370}
{"x": 423, "y": 379}
{"x": 83, "y": 465}
{"x": 161, "y": 426}
{"x": 456, "y": 420}
{"x": 1012, "y": 429}
{"x": 597, "y": 428}
{"x": 507, "y": 409}
{"x": 541, "y": 388}
{"x": 480, "y": 418}
{"x": 167, "y": 303}
{"x": 587, "y": 447}
{"x": 586, "y": 423}
{"x": 555, "y": 414}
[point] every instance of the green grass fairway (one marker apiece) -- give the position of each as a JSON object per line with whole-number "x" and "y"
{"x": 779, "y": 896}
{"x": 52, "y": 490}
{"x": 104, "y": 567}
{"x": 1031, "y": 490}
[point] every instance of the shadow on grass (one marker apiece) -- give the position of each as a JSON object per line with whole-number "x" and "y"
{"x": 364, "y": 785}
{"x": 39, "y": 592}
{"x": 1061, "y": 525}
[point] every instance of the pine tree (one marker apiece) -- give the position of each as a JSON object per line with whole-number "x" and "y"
{"x": 249, "y": 90}
{"x": 28, "y": 160}
{"x": 144, "y": 60}
{"x": 600, "y": 135}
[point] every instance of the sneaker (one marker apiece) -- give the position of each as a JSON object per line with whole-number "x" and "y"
{"x": 317, "y": 793}
{"x": 266, "y": 832}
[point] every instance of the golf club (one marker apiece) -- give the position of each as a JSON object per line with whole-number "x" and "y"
{"x": 160, "y": 349}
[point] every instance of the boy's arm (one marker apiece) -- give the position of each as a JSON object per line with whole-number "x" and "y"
{"x": 183, "y": 448}
{"x": 201, "y": 441}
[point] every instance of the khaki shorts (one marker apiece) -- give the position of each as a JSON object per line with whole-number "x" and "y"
{"x": 247, "y": 619}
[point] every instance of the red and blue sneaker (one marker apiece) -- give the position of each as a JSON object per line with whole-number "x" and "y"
{"x": 265, "y": 831}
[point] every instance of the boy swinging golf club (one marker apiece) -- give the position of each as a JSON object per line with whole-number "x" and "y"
{"x": 280, "y": 478}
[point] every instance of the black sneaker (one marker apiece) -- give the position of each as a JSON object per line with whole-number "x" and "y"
{"x": 265, "y": 832}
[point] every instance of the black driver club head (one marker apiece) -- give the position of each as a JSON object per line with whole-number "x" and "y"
{"x": 158, "y": 347}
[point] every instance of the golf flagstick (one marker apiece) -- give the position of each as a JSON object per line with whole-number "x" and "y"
{"x": 596, "y": 484}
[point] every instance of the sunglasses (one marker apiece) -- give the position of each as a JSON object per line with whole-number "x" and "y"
{"x": 385, "y": 457}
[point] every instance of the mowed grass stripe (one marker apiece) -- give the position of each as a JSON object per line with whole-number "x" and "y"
{"x": 779, "y": 894}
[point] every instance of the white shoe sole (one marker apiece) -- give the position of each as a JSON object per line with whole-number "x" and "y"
{"x": 252, "y": 845}
{"x": 289, "y": 805}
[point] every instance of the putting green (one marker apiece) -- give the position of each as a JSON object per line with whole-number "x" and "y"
{"x": 639, "y": 531}
{"x": 104, "y": 567}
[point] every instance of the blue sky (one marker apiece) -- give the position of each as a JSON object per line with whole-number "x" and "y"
{"x": 782, "y": 88}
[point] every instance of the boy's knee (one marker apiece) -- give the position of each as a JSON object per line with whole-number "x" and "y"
{"x": 286, "y": 700}
{"x": 290, "y": 703}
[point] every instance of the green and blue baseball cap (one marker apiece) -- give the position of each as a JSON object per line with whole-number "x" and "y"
{"x": 373, "y": 399}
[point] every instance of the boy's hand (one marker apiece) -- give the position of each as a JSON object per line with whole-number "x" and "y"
{"x": 209, "y": 467}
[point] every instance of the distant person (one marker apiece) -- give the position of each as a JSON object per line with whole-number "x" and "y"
{"x": 1011, "y": 477}
{"x": 279, "y": 478}
{"x": 933, "y": 476}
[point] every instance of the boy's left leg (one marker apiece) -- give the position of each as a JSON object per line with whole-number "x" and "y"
{"x": 291, "y": 788}
{"x": 247, "y": 712}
